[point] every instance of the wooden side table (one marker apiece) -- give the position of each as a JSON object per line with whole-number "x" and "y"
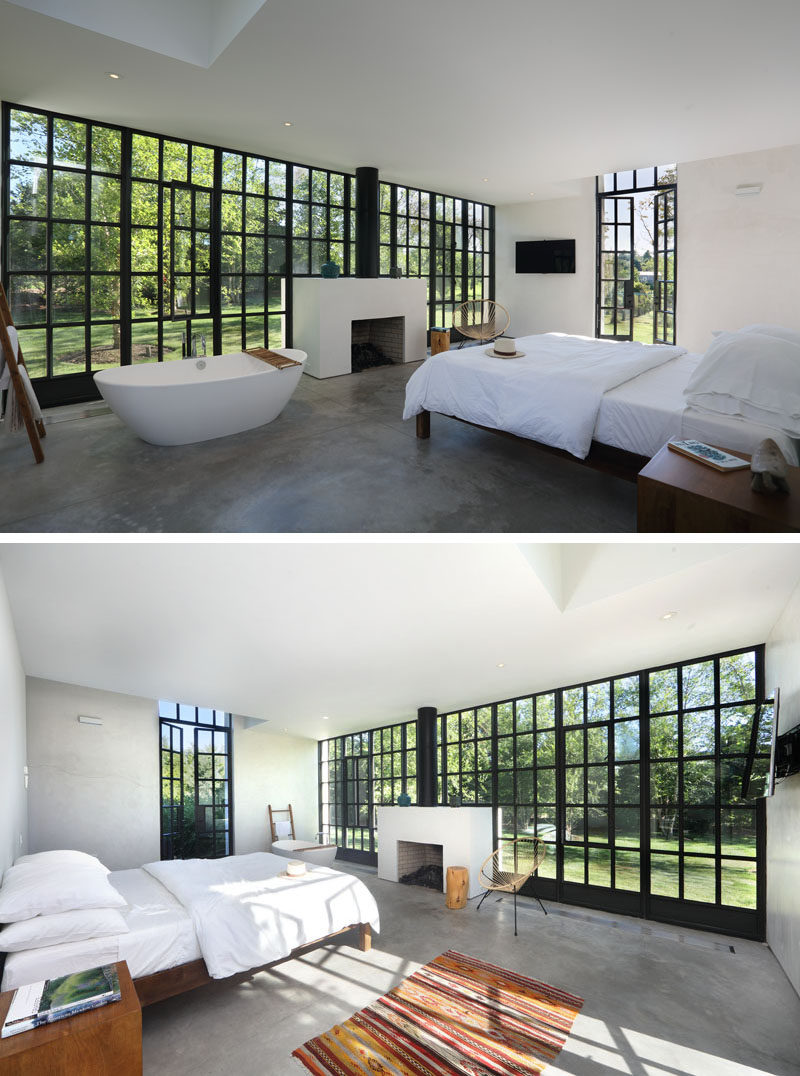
{"x": 94, "y": 1043}
{"x": 440, "y": 340}
{"x": 457, "y": 886}
{"x": 679, "y": 494}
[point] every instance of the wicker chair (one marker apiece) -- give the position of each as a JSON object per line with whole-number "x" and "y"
{"x": 509, "y": 867}
{"x": 481, "y": 319}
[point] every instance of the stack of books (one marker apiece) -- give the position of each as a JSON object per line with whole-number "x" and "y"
{"x": 55, "y": 999}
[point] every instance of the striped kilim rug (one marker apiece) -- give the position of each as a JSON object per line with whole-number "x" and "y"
{"x": 455, "y": 1015}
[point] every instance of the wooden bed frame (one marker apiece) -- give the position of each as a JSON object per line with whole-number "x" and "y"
{"x": 606, "y": 458}
{"x": 184, "y": 977}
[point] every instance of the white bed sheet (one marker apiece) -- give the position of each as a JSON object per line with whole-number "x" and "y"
{"x": 161, "y": 936}
{"x": 247, "y": 912}
{"x": 644, "y": 413}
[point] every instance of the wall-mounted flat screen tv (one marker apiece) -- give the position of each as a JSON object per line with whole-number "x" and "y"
{"x": 546, "y": 256}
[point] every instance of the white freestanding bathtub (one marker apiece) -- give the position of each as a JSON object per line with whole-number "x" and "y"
{"x": 197, "y": 399}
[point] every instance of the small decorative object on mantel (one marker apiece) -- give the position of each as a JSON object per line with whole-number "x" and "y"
{"x": 404, "y": 800}
{"x": 769, "y": 469}
{"x": 396, "y": 272}
{"x": 454, "y": 800}
{"x": 330, "y": 270}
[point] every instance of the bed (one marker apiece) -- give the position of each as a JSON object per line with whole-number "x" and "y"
{"x": 580, "y": 396}
{"x": 191, "y": 921}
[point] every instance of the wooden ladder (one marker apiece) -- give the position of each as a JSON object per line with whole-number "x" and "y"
{"x": 34, "y": 426}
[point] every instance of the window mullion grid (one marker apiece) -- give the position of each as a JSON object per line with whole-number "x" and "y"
{"x": 585, "y": 786}
{"x": 644, "y": 794}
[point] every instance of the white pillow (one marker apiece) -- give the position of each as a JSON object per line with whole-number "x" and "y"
{"x": 60, "y": 928}
{"x": 30, "y": 889}
{"x": 780, "y": 332}
{"x": 752, "y": 376}
{"x": 62, "y": 856}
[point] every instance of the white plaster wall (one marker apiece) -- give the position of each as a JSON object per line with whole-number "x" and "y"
{"x": 737, "y": 255}
{"x": 276, "y": 768}
{"x": 783, "y": 809}
{"x": 13, "y": 798}
{"x": 95, "y": 788}
{"x": 548, "y": 302}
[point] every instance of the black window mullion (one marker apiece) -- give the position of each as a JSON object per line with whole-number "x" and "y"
{"x": 718, "y": 784}
{"x": 215, "y": 253}
{"x": 644, "y": 794}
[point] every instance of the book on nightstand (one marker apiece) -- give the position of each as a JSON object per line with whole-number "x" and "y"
{"x": 55, "y": 999}
{"x": 707, "y": 454}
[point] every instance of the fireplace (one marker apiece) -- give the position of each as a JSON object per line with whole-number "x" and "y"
{"x": 377, "y": 342}
{"x": 420, "y": 864}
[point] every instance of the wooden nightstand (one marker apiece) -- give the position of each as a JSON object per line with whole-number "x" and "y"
{"x": 679, "y": 494}
{"x": 94, "y": 1043}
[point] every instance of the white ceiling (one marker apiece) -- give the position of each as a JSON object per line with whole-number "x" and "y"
{"x": 366, "y": 633}
{"x": 525, "y": 94}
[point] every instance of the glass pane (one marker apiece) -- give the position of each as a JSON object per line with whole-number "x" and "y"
{"x": 105, "y": 298}
{"x": 67, "y": 295}
{"x": 698, "y": 782}
{"x": 598, "y": 702}
{"x": 626, "y": 826}
{"x": 574, "y": 859}
{"x": 663, "y": 691}
{"x": 33, "y": 343}
{"x": 105, "y": 346}
{"x": 27, "y": 299}
{"x": 737, "y": 677}
{"x": 105, "y": 199}
{"x": 574, "y": 745}
{"x": 573, "y": 706}
{"x": 546, "y": 748}
{"x": 699, "y": 830}
{"x": 699, "y": 731}
{"x": 698, "y": 684}
{"x": 145, "y": 157}
{"x": 699, "y": 881}
{"x": 600, "y": 866}
{"x": 664, "y": 827}
{"x": 627, "y": 784}
{"x": 738, "y": 833}
{"x": 68, "y": 250}
{"x": 663, "y": 737}
{"x": 626, "y": 740}
{"x": 739, "y": 883}
{"x": 202, "y": 166}
{"x": 626, "y": 697}
{"x": 597, "y": 744}
{"x": 28, "y": 140}
{"x": 69, "y": 350}
{"x": 735, "y": 729}
{"x": 144, "y": 342}
{"x": 27, "y": 191}
{"x": 627, "y": 875}
{"x": 106, "y": 149}
{"x": 664, "y": 875}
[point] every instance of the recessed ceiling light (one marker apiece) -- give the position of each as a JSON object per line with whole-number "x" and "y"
{"x": 530, "y": 194}
{"x": 669, "y": 616}
{"x": 485, "y": 179}
{"x": 287, "y": 123}
{"x": 113, "y": 74}
{"x": 324, "y": 717}
{"x": 501, "y": 665}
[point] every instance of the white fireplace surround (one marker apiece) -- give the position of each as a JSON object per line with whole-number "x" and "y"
{"x": 465, "y": 834}
{"x": 324, "y": 310}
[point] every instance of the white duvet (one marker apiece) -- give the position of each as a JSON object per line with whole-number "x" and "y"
{"x": 246, "y": 915}
{"x": 551, "y": 394}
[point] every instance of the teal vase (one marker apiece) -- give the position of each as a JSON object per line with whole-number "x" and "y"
{"x": 329, "y": 269}
{"x": 403, "y": 800}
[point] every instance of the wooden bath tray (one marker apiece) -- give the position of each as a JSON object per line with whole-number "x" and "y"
{"x": 281, "y": 362}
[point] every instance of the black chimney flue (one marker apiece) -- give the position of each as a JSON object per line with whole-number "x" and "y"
{"x": 426, "y": 756}
{"x": 367, "y": 220}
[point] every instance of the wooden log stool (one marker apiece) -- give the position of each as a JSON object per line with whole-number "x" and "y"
{"x": 457, "y": 886}
{"x": 440, "y": 340}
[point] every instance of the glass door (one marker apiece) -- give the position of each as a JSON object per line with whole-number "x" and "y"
{"x": 601, "y": 814}
{"x": 615, "y": 276}
{"x": 664, "y": 269}
{"x": 356, "y": 843}
{"x": 171, "y": 790}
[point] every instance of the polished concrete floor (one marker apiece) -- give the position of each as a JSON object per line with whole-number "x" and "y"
{"x": 339, "y": 459}
{"x": 659, "y": 1001}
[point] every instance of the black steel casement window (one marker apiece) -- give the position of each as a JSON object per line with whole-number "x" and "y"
{"x": 448, "y": 242}
{"x": 121, "y": 246}
{"x": 196, "y": 781}
{"x": 358, "y": 773}
{"x": 637, "y": 255}
{"x": 635, "y": 784}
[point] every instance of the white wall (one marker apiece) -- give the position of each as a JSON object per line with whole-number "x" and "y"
{"x": 783, "y": 809}
{"x": 13, "y": 798}
{"x": 93, "y": 787}
{"x": 548, "y": 302}
{"x": 737, "y": 256}
{"x": 96, "y": 787}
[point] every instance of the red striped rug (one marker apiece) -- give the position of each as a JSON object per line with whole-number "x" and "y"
{"x": 455, "y": 1015}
